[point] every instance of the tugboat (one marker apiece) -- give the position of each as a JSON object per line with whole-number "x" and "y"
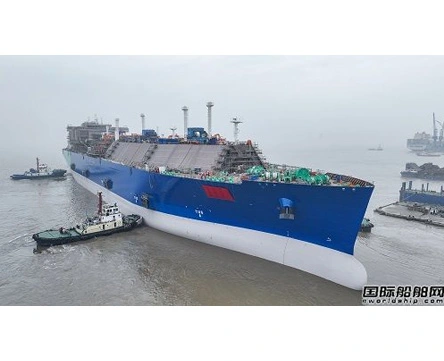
{"x": 428, "y": 154}
{"x": 378, "y": 148}
{"x": 366, "y": 225}
{"x": 42, "y": 171}
{"x": 108, "y": 220}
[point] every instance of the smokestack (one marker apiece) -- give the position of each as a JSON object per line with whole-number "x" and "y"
{"x": 185, "y": 122}
{"x": 116, "y": 131}
{"x": 143, "y": 121}
{"x": 209, "y": 106}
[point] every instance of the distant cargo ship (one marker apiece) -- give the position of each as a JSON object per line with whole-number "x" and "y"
{"x": 428, "y": 154}
{"x": 426, "y": 143}
{"x": 203, "y": 187}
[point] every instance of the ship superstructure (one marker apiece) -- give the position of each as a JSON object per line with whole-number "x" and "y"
{"x": 225, "y": 193}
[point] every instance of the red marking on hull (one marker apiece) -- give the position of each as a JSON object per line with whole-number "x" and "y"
{"x": 218, "y": 193}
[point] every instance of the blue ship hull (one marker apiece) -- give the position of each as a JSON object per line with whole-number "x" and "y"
{"x": 326, "y": 220}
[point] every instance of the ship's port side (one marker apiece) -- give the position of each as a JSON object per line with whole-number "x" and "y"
{"x": 203, "y": 187}
{"x": 332, "y": 265}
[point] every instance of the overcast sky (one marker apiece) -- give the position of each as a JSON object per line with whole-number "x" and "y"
{"x": 289, "y": 101}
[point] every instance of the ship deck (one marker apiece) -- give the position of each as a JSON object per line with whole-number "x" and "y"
{"x": 174, "y": 156}
{"x": 55, "y": 234}
{"x": 182, "y": 160}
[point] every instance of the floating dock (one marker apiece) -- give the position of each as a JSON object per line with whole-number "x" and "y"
{"x": 414, "y": 212}
{"x": 424, "y": 205}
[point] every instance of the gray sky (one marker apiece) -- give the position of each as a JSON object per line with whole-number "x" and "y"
{"x": 285, "y": 101}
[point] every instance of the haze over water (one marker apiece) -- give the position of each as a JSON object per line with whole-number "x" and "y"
{"x": 148, "y": 267}
{"x": 321, "y": 112}
{"x": 290, "y": 107}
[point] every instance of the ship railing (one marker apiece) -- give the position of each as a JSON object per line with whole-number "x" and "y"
{"x": 274, "y": 173}
{"x": 292, "y": 174}
{"x": 340, "y": 179}
{"x": 241, "y": 142}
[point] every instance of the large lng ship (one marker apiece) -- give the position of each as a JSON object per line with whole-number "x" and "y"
{"x": 202, "y": 187}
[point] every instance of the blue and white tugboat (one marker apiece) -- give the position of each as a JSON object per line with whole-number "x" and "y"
{"x": 42, "y": 171}
{"x": 108, "y": 220}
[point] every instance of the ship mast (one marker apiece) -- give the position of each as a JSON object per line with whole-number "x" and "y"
{"x": 209, "y": 106}
{"x": 441, "y": 131}
{"x": 143, "y": 121}
{"x": 100, "y": 204}
{"x": 236, "y": 123}
{"x": 435, "y": 131}
{"x": 185, "y": 122}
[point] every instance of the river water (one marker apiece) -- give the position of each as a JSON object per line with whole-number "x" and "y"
{"x": 149, "y": 267}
